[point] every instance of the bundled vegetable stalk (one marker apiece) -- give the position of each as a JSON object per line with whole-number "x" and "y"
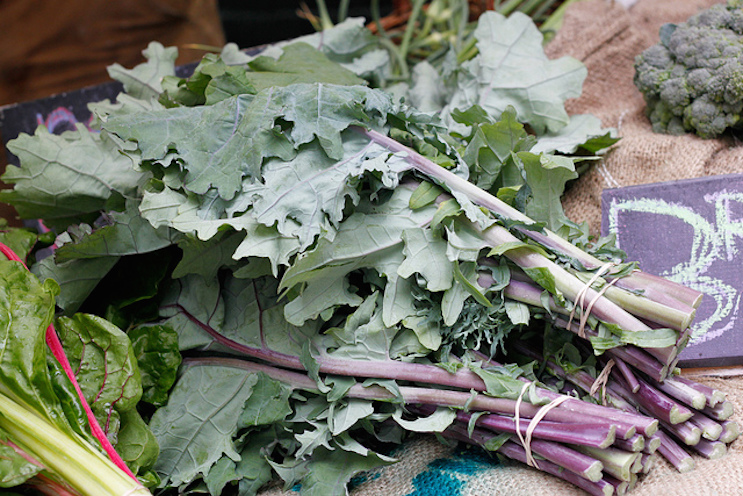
{"x": 341, "y": 269}
{"x": 50, "y": 438}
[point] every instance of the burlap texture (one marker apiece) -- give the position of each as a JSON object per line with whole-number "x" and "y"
{"x": 606, "y": 37}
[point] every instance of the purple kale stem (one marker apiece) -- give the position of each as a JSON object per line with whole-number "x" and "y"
{"x": 380, "y": 369}
{"x": 711, "y": 429}
{"x": 641, "y": 360}
{"x": 652, "y": 444}
{"x": 653, "y": 402}
{"x": 586, "y": 434}
{"x": 636, "y": 281}
{"x": 684, "y": 432}
{"x": 730, "y": 431}
{"x": 674, "y": 453}
{"x": 644, "y": 424}
{"x": 682, "y": 392}
{"x": 710, "y": 449}
{"x": 516, "y": 452}
{"x": 420, "y": 395}
{"x": 635, "y": 443}
{"x": 632, "y": 355}
{"x": 627, "y": 374}
{"x": 721, "y": 411}
{"x": 714, "y": 396}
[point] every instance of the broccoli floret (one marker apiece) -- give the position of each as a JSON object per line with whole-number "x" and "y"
{"x": 692, "y": 80}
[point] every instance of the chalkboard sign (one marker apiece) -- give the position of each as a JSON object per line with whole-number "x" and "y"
{"x": 59, "y": 113}
{"x": 690, "y": 231}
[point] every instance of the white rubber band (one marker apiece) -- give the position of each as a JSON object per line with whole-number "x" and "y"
{"x": 533, "y": 425}
{"x": 541, "y": 413}
{"x": 601, "y": 381}
{"x": 581, "y": 297}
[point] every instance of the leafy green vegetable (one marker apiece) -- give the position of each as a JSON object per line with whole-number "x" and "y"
{"x": 40, "y": 416}
{"x": 326, "y": 257}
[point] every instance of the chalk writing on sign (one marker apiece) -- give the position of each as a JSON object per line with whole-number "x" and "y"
{"x": 690, "y": 232}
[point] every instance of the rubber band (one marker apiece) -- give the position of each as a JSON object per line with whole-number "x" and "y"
{"x": 589, "y": 307}
{"x": 517, "y": 412}
{"x": 535, "y": 421}
{"x": 580, "y": 298}
{"x": 601, "y": 380}
{"x": 541, "y": 413}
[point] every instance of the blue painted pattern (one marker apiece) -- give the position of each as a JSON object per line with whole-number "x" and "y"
{"x": 449, "y": 476}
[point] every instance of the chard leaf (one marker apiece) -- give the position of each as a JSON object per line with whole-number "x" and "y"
{"x": 136, "y": 444}
{"x": 14, "y": 468}
{"x": 66, "y": 179}
{"x": 158, "y": 359}
{"x": 26, "y": 311}
{"x": 199, "y": 422}
{"x": 512, "y": 69}
{"x": 144, "y": 81}
{"x": 20, "y": 241}
{"x": 105, "y": 365}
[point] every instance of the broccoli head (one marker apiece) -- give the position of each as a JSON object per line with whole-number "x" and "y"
{"x": 692, "y": 80}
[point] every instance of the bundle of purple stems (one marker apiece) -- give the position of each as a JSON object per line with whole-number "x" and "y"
{"x": 602, "y": 448}
{"x": 640, "y": 410}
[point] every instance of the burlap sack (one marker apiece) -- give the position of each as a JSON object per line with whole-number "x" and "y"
{"x": 606, "y": 37}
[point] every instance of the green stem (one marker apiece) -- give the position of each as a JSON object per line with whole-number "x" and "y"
{"x": 410, "y": 27}
{"x": 343, "y": 10}
{"x": 554, "y": 21}
{"x": 508, "y": 7}
{"x": 325, "y": 21}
